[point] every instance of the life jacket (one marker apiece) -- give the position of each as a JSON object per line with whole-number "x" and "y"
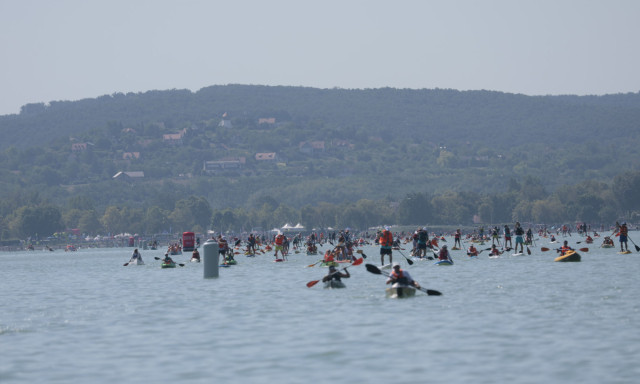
{"x": 328, "y": 257}
{"x": 222, "y": 244}
{"x": 386, "y": 240}
{"x": 624, "y": 230}
{"x": 279, "y": 240}
{"x": 564, "y": 249}
{"x": 400, "y": 278}
{"x": 443, "y": 255}
{"x": 473, "y": 251}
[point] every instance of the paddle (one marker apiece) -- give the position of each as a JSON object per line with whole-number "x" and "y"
{"x": 408, "y": 259}
{"x": 362, "y": 253}
{"x": 637, "y": 248}
{"x": 157, "y": 258}
{"x": 314, "y": 264}
{"x": 357, "y": 262}
{"x": 376, "y": 271}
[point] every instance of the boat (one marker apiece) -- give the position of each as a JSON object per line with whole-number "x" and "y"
{"x": 494, "y": 256}
{"x": 194, "y": 260}
{"x": 569, "y": 256}
{"x": 625, "y": 252}
{"x": 607, "y": 246}
{"x": 397, "y": 291}
{"x": 231, "y": 262}
{"x": 444, "y": 262}
{"x": 311, "y": 253}
{"x": 455, "y": 249}
{"x": 136, "y": 261}
{"x": 332, "y": 284}
{"x": 517, "y": 254}
{"x": 168, "y": 264}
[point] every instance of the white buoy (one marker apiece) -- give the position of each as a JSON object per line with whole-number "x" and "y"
{"x": 211, "y": 258}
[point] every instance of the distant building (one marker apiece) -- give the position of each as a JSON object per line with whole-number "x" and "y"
{"x": 174, "y": 138}
{"x": 266, "y": 156}
{"x": 267, "y": 121}
{"x": 222, "y": 164}
{"x": 224, "y": 123}
{"x": 128, "y": 176}
{"x": 130, "y": 155}
{"x": 78, "y": 147}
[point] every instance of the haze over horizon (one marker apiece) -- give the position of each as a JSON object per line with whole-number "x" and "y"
{"x": 72, "y": 49}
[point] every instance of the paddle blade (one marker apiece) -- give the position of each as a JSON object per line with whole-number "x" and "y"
{"x": 544, "y": 249}
{"x": 373, "y": 269}
{"x": 312, "y": 283}
{"x": 433, "y": 292}
{"x": 365, "y": 256}
{"x": 357, "y": 261}
{"x": 312, "y": 265}
{"x": 637, "y": 249}
{"x": 528, "y": 251}
{"x": 125, "y": 264}
{"x": 584, "y": 249}
{"x": 359, "y": 251}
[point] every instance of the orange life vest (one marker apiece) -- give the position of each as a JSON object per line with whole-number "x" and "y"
{"x": 386, "y": 239}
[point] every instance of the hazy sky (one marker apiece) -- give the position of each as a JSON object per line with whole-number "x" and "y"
{"x": 75, "y": 49}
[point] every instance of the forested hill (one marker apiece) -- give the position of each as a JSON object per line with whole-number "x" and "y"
{"x": 493, "y": 119}
{"x": 330, "y": 145}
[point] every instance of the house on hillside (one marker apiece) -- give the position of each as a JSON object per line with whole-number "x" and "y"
{"x": 222, "y": 164}
{"x": 130, "y": 155}
{"x": 78, "y": 147}
{"x": 266, "y": 122}
{"x": 342, "y": 144}
{"x": 129, "y": 176}
{"x": 174, "y": 138}
{"x": 266, "y": 156}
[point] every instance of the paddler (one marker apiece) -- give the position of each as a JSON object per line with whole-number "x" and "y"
{"x": 473, "y": 251}
{"x": 564, "y": 249}
{"x": 624, "y": 233}
{"x": 135, "y": 256}
{"x": 401, "y": 277}
{"x": 386, "y": 242}
{"x": 444, "y": 253}
{"x": 335, "y": 275}
{"x": 195, "y": 255}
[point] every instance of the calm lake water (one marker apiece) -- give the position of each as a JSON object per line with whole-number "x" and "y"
{"x": 82, "y": 317}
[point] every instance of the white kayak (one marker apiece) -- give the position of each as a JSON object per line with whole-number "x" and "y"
{"x": 333, "y": 284}
{"x": 397, "y": 291}
{"x": 136, "y": 261}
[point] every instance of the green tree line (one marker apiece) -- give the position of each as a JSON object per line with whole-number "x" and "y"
{"x": 525, "y": 201}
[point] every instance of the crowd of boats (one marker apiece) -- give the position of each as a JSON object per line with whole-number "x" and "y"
{"x": 346, "y": 250}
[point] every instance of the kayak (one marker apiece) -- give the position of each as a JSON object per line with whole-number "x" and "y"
{"x": 328, "y": 264}
{"x": 569, "y": 256}
{"x": 231, "y": 262}
{"x": 168, "y": 264}
{"x": 136, "y": 261}
{"x": 625, "y": 252}
{"x": 607, "y": 246}
{"x": 444, "y": 262}
{"x": 400, "y": 291}
{"x": 518, "y": 254}
{"x": 194, "y": 260}
{"x": 334, "y": 284}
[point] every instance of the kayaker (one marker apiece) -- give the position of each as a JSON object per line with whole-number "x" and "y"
{"x": 494, "y": 251}
{"x": 336, "y": 275}
{"x": 564, "y": 249}
{"x": 624, "y": 233}
{"x": 473, "y": 251}
{"x": 195, "y": 255}
{"x": 135, "y": 255}
{"x": 386, "y": 241}
{"x": 167, "y": 259}
{"x": 401, "y": 277}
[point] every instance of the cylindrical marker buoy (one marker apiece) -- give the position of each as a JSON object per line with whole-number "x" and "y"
{"x": 211, "y": 258}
